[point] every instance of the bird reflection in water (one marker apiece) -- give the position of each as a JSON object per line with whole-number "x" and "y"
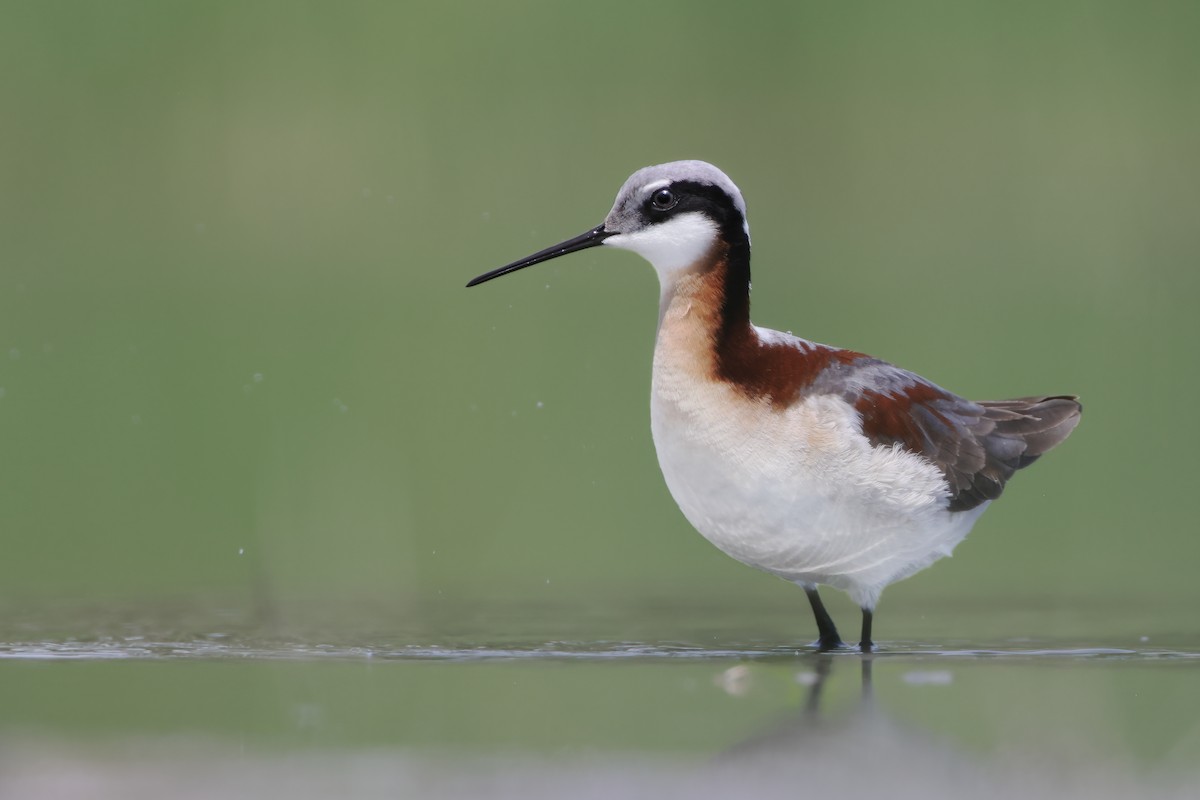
{"x": 831, "y": 741}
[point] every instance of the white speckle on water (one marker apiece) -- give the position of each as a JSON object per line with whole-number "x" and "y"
{"x": 241, "y": 551}
{"x": 735, "y": 681}
{"x": 340, "y": 406}
{"x": 14, "y": 353}
{"x": 938, "y": 677}
{"x": 514, "y": 413}
{"x": 807, "y": 678}
{"x": 486, "y": 216}
{"x": 547, "y": 286}
{"x": 1142, "y": 639}
{"x": 540, "y": 404}
{"x": 258, "y": 377}
{"x": 247, "y": 388}
{"x": 136, "y": 419}
{"x": 547, "y": 581}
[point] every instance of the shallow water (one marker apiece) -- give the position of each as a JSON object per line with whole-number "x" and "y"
{"x": 222, "y": 646}
{"x": 160, "y": 707}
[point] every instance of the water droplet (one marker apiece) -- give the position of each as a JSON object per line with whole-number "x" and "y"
{"x": 241, "y": 551}
{"x": 540, "y": 404}
{"x": 258, "y": 377}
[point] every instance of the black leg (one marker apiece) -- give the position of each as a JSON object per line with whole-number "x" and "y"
{"x": 865, "y": 643}
{"x": 827, "y": 635}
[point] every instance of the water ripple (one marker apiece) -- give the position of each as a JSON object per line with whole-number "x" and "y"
{"x": 216, "y": 647}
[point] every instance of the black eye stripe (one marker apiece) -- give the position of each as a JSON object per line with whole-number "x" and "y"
{"x": 687, "y": 196}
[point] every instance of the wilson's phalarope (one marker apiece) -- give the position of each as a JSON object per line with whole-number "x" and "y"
{"x": 817, "y": 464}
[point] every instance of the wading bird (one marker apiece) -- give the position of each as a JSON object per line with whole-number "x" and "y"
{"x": 820, "y": 465}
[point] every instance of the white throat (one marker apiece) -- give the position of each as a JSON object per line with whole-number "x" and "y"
{"x": 673, "y": 246}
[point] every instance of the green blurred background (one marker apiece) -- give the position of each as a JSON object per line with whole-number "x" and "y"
{"x": 240, "y": 369}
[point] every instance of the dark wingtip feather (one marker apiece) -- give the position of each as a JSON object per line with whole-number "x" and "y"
{"x": 1042, "y": 423}
{"x": 1022, "y": 430}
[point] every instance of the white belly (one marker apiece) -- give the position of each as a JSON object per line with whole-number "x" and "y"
{"x": 798, "y": 492}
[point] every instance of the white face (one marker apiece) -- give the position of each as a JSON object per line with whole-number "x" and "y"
{"x": 671, "y": 246}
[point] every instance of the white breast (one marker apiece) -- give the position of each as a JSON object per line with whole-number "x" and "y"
{"x": 797, "y": 492}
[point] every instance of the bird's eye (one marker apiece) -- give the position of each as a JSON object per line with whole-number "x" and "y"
{"x": 663, "y": 199}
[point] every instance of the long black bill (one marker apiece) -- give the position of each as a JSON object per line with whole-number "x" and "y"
{"x": 581, "y": 242}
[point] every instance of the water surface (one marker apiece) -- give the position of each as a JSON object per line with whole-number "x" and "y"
{"x": 707, "y": 713}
